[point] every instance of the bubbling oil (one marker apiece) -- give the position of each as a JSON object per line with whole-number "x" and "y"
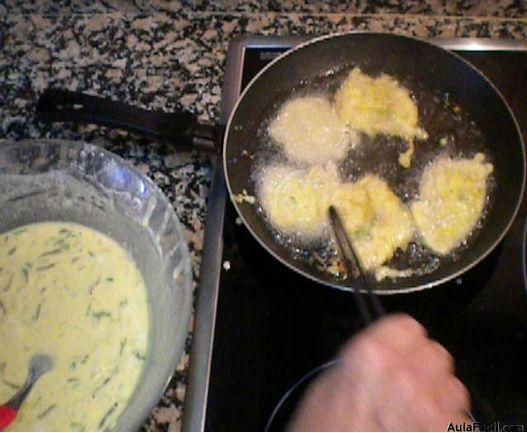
{"x": 451, "y": 132}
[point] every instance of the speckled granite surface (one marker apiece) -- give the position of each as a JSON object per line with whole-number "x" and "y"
{"x": 497, "y": 8}
{"x": 170, "y": 55}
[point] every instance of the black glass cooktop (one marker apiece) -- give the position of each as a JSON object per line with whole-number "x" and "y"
{"x": 273, "y": 325}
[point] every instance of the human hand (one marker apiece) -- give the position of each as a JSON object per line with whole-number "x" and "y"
{"x": 391, "y": 377}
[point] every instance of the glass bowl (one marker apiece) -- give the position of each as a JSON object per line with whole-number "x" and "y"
{"x": 57, "y": 180}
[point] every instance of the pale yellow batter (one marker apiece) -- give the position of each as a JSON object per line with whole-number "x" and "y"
{"x": 379, "y": 106}
{"x": 72, "y": 293}
{"x": 451, "y": 201}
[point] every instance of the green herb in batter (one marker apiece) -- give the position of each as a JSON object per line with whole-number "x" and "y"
{"x": 85, "y": 359}
{"x": 65, "y": 234}
{"x": 122, "y": 345}
{"x": 102, "y": 385}
{"x": 11, "y": 251}
{"x": 108, "y": 414}
{"x": 45, "y": 267}
{"x": 109, "y": 279}
{"x": 77, "y": 426}
{"x": 8, "y": 284}
{"x": 101, "y": 314}
{"x": 93, "y": 286}
{"x": 2, "y": 367}
{"x": 139, "y": 356}
{"x": 37, "y": 313}
{"x": 25, "y": 273}
{"x": 3, "y": 309}
{"x": 51, "y": 252}
{"x": 11, "y": 385}
{"x": 61, "y": 245}
{"x": 46, "y": 412}
{"x": 105, "y": 381}
{"x": 74, "y": 382}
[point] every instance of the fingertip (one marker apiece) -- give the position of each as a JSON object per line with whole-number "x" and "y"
{"x": 463, "y": 394}
{"x": 444, "y": 355}
{"x": 407, "y": 323}
{"x": 397, "y": 325}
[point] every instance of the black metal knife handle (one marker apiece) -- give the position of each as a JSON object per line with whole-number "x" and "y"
{"x": 181, "y": 129}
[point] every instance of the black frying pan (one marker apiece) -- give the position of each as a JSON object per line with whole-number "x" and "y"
{"x": 439, "y": 80}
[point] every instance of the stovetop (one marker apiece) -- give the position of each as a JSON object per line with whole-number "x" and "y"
{"x": 260, "y": 326}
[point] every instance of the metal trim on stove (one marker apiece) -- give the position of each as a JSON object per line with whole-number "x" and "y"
{"x": 194, "y": 412}
{"x": 208, "y": 286}
{"x": 467, "y": 44}
{"x": 480, "y": 44}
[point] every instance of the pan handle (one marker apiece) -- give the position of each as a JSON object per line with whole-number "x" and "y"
{"x": 181, "y": 129}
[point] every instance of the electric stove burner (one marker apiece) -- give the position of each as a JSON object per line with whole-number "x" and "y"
{"x": 272, "y": 325}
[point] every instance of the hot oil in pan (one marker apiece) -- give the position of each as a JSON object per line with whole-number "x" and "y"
{"x": 451, "y": 131}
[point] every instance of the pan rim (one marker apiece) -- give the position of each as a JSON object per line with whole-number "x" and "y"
{"x": 343, "y": 287}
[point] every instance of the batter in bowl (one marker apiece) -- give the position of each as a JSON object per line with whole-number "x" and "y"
{"x": 73, "y": 293}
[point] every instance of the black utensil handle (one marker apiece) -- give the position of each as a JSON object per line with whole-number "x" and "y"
{"x": 180, "y": 129}
{"x": 355, "y": 271}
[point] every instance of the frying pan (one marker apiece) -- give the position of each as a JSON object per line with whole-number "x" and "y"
{"x": 439, "y": 80}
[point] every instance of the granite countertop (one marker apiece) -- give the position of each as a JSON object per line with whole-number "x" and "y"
{"x": 170, "y": 55}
